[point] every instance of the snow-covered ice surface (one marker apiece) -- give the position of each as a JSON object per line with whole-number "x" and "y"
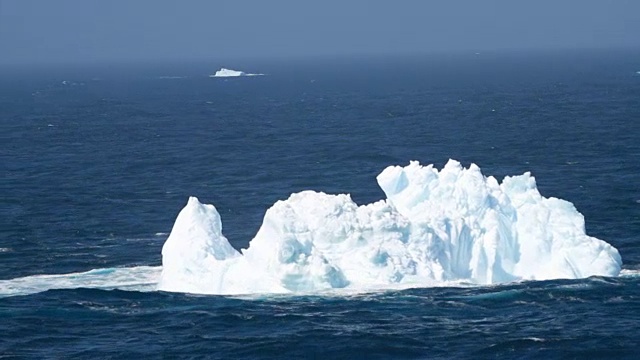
{"x": 223, "y": 72}
{"x": 436, "y": 228}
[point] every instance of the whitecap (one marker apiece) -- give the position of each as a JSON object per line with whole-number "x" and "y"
{"x": 630, "y": 273}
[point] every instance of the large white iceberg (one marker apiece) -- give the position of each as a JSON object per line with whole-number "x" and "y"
{"x": 231, "y": 73}
{"x": 435, "y": 228}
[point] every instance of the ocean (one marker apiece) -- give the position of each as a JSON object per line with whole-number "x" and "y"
{"x": 97, "y": 161}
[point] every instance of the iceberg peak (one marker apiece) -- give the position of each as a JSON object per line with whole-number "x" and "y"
{"x": 195, "y": 245}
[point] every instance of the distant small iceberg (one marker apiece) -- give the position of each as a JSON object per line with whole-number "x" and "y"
{"x": 223, "y": 72}
{"x": 71, "y": 83}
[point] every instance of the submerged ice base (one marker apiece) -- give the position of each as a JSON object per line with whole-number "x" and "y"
{"x": 435, "y": 227}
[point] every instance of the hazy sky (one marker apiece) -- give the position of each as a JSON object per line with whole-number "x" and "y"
{"x": 106, "y": 30}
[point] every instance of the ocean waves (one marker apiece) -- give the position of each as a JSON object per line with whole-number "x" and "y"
{"x": 559, "y": 318}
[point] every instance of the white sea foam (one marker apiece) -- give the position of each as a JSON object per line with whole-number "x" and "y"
{"x": 140, "y": 278}
{"x": 630, "y": 273}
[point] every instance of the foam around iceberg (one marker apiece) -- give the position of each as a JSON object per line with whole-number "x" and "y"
{"x": 436, "y": 227}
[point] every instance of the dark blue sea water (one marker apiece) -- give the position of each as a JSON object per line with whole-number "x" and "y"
{"x": 96, "y": 161}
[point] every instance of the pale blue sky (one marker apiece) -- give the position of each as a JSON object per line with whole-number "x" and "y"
{"x": 119, "y": 30}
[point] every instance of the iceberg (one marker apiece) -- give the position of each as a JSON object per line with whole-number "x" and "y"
{"x": 435, "y": 228}
{"x": 232, "y": 73}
